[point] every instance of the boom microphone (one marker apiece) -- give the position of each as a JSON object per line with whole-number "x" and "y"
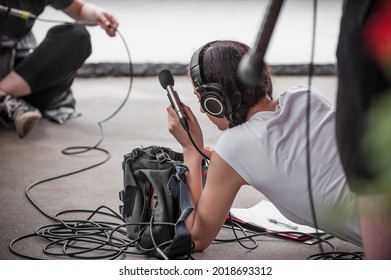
{"x": 167, "y": 81}
{"x": 17, "y": 13}
{"x": 252, "y": 64}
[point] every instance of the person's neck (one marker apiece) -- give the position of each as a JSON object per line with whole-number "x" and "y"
{"x": 265, "y": 104}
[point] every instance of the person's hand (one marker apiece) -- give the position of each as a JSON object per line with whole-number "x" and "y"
{"x": 208, "y": 151}
{"x": 83, "y": 11}
{"x": 106, "y": 21}
{"x": 180, "y": 134}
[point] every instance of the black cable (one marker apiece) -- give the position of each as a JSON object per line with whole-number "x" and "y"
{"x": 75, "y": 237}
{"x": 69, "y": 233}
{"x": 29, "y": 188}
{"x": 308, "y": 120}
{"x": 337, "y": 256}
{"x": 277, "y": 234}
{"x": 332, "y": 255}
{"x": 235, "y": 225}
{"x": 323, "y": 255}
{"x": 82, "y": 149}
{"x": 196, "y": 147}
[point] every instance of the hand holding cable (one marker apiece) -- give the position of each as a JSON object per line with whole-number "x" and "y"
{"x": 107, "y": 21}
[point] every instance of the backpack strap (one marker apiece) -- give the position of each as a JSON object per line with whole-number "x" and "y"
{"x": 182, "y": 241}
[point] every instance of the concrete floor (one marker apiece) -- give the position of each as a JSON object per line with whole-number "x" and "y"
{"x": 141, "y": 122}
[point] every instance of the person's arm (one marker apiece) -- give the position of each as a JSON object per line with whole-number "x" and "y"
{"x": 222, "y": 185}
{"x": 211, "y": 204}
{"x": 83, "y": 11}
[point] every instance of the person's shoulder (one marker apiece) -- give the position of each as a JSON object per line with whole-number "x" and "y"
{"x": 233, "y": 137}
{"x": 302, "y": 91}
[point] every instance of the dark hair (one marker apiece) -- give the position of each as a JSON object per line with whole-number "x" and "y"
{"x": 220, "y": 62}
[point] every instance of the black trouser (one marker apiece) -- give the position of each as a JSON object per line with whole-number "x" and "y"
{"x": 360, "y": 81}
{"x": 51, "y": 68}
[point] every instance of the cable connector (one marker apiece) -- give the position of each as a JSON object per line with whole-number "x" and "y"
{"x": 17, "y": 13}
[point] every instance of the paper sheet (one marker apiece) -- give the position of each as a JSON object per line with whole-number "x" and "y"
{"x": 261, "y": 212}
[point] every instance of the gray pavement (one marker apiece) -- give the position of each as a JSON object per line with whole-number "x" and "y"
{"x": 141, "y": 122}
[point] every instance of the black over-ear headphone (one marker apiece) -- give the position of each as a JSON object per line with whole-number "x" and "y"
{"x": 212, "y": 100}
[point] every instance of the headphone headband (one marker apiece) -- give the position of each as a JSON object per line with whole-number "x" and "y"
{"x": 212, "y": 100}
{"x": 196, "y": 72}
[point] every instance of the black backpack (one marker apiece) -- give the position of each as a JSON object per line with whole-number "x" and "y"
{"x": 156, "y": 202}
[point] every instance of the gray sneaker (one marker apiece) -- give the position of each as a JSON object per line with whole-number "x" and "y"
{"x": 24, "y": 115}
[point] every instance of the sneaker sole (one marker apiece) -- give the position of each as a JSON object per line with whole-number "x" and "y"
{"x": 26, "y": 122}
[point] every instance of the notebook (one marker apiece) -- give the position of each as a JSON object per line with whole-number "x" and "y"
{"x": 257, "y": 218}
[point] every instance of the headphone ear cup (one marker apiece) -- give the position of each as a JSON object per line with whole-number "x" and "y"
{"x": 213, "y": 101}
{"x": 213, "y": 105}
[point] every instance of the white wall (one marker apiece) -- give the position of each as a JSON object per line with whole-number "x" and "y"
{"x": 170, "y": 31}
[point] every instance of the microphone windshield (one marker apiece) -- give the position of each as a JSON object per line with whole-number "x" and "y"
{"x": 251, "y": 68}
{"x": 166, "y": 78}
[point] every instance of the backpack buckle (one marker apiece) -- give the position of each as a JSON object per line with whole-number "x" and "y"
{"x": 136, "y": 152}
{"x": 161, "y": 156}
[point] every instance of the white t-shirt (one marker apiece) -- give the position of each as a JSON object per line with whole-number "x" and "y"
{"x": 269, "y": 152}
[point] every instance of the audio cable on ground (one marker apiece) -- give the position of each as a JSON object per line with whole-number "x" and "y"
{"x": 79, "y": 238}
